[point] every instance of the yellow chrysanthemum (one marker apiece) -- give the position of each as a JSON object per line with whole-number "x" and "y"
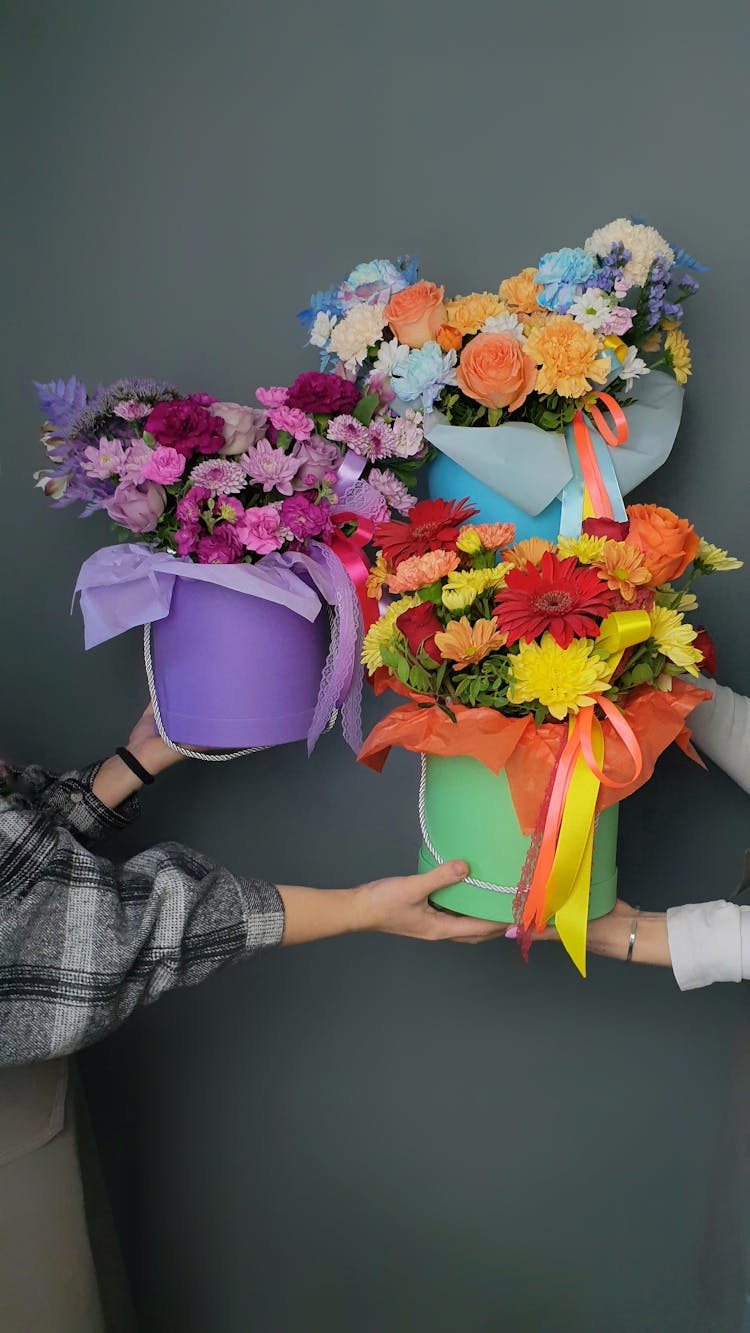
{"x": 714, "y": 558}
{"x": 585, "y": 548}
{"x": 464, "y": 644}
{"x": 677, "y": 354}
{"x": 463, "y": 587}
{"x": 476, "y": 537}
{"x": 468, "y": 313}
{"x": 468, "y": 541}
{"x": 380, "y": 572}
{"x": 677, "y": 601}
{"x": 519, "y": 293}
{"x": 419, "y": 571}
{"x": 561, "y": 679}
{"x": 383, "y": 634}
{"x": 527, "y": 552}
{"x": 621, "y": 567}
{"x": 568, "y": 357}
{"x": 674, "y": 638}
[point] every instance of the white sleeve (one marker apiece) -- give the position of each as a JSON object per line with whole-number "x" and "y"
{"x": 721, "y": 729}
{"x": 709, "y": 942}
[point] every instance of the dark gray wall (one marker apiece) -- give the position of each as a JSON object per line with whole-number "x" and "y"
{"x": 373, "y": 1134}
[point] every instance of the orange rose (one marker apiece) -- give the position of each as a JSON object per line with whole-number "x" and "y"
{"x": 416, "y": 313}
{"x": 448, "y": 338}
{"x": 668, "y": 543}
{"x": 495, "y": 371}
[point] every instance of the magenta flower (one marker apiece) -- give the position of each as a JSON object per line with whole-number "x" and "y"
{"x": 131, "y": 410}
{"x": 297, "y": 424}
{"x": 186, "y": 539}
{"x": 219, "y": 474}
{"x": 190, "y": 507}
{"x": 275, "y": 397}
{"x": 107, "y": 459}
{"x": 137, "y": 508}
{"x": 270, "y": 468}
{"x": 261, "y": 530}
{"x": 164, "y": 465}
{"x": 186, "y": 426}
{"x": 202, "y": 399}
{"x": 303, "y": 518}
{"x": 220, "y": 547}
{"x": 347, "y": 430}
{"x": 229, "y": 508}
{"x": 325, "y": 394}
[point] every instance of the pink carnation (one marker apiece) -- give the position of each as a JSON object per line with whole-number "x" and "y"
{"x": 261, "y": 530}
{"x": 274, "y": 397}
{"x": 164, "y": 465}
{"x": 618, "y": 321}
{"x": 295, "y": 422}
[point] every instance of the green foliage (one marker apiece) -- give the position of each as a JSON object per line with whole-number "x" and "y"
{"x": 366, "y": 408}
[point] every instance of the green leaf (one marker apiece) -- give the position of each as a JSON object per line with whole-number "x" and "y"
{"x": 366, "y": 408}
{"x": 433, "y": 593}
{"x": 494, "y": 416}
{"x": 445, "y": 709}
{"x": 420, "y": 680}
{"x": 149, "y": 439}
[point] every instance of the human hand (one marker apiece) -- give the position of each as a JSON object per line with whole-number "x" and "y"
{"x": 401, "y": 906}
{"x": 148, "y": 747}
{"x": 610, "y": 935}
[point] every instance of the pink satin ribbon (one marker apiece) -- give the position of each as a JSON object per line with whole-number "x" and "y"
{"x": 350, "y": 551}
{"x": 613, "y": 436}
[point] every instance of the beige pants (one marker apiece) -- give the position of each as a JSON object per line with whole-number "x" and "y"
{"x": 48, "y": 1279}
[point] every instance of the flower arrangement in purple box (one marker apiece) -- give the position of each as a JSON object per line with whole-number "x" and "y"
{"x": 224, "y": 483}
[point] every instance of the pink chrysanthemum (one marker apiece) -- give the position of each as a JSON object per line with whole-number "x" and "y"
{"x": 392, "y": 490}
{"x": 350, "y": 432}
{"x": 219, "y": 475}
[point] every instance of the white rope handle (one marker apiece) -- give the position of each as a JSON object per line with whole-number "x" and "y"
{"x": 478, "y": 883}
{"x": 213, "y": 757}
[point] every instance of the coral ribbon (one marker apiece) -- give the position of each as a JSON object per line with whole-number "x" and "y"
{"x": 562, "y": 877}
{"x": 596, "y": 500}
{"x": 350, "y": 551}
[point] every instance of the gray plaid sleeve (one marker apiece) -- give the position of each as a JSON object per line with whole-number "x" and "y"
{"x": 83, "y": 941}
{"x": 70, "y": 801}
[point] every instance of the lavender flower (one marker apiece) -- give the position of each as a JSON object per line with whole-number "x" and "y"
{"x": 269, "y": 467}
{"x": 219, "y": 475}
{"x": 393, "y": 491}
{"x": 94, "y": 418}
{"x": 610, "y": 270}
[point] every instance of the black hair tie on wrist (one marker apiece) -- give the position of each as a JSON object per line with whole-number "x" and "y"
{"x": 135, "y": 766}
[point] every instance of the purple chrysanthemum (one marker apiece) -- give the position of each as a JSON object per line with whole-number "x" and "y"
{"x": 219, "y": 475}
{"x": 350, "y": 432}
{"x": 393, "y": 491}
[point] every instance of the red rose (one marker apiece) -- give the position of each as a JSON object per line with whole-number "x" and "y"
{"x": 419, "y": 625}
{"x": 606, "y": 527}
{"x": 705, "y": 644}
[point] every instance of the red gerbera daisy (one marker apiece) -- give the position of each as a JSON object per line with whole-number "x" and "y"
{"x": 560, "y": 596}
{"x": 432, "y": 525}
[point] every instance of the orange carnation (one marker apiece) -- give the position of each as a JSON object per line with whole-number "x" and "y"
{"x": 669, "y": 543}
{"x": 568, "y": 357}
{"x": 520, "y": 292}
{"x": 419, "y": 571}
{"x": 416, "y": 313}
{"x": 495, "y": 371}
{"x": 448, "y": 338}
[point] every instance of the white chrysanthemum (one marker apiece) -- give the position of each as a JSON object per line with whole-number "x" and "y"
{"x": 631, "y": 368}
{"x": 591, "y": 309}
{"x": 391, "y": 353}
{"x": 355, "y": 333}
{"x": 323, "y": 326}
{"x": 644, "y": 243}
{"x": 505, "y": 323}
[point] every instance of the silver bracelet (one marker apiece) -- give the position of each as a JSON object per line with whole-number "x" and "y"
{"x": 631, "y": 939}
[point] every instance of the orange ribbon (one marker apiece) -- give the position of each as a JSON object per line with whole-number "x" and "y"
{"x": 612, "y": 435}
{"x": 350, "y": 551}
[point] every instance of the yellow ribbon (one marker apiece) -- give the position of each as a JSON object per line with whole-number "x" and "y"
{"x": 616, "y": 345}
{"x": 566, "y": 894}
